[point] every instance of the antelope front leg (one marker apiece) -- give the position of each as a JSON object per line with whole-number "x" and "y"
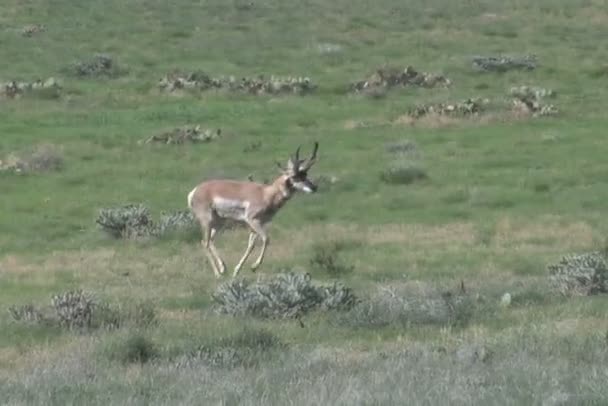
{"x": 252, "y": 237}
{"x": 257, "y": 228}
{"x": 220, "y": 262}
{"x": 206, "y": 246}
{"x": 258, "y": 261}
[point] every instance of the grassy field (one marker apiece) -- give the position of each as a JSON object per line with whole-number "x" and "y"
{"x": 504, "y": 197}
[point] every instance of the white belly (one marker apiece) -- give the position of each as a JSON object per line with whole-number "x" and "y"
{"x": 227, "y": 208}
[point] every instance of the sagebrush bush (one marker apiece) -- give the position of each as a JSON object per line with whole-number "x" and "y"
{"x": 403, "y": 173}
{"x": 199, "y": 80}
{"x": 79, "y": 310}
{"x": 282, "y": 296}
{"x": 99, "y": 65}
{"x": 74, "y": 309}
{"x": 176, "y": 221}
{"x": 407, "y": 307}
{"x": 244, "y": 349}
{"x": 580, "y": 274}
{"x": 402, "y": 147}
{"x": 134, "y": 221}
{"x": 128, "y": 221}
{"x": 70, "y": 310}
{"x": 325, "y": 258}
{"x": 27, "y": 314}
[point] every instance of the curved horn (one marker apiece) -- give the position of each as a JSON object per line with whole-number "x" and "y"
{"x": 313, "y": 157}
{"x": 297, "y": 157}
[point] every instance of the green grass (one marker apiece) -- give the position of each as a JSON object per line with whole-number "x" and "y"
{"x": 502, "y": 197}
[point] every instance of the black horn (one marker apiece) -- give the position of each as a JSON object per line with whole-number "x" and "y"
{"x": 314, "y": 151}
{"x": 313, "y": 157}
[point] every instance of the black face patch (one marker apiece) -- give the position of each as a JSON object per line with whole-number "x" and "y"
{"x": 300, "y": 176}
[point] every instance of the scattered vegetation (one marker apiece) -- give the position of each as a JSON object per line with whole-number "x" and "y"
{"x": 282, "y": 296}
{"x": 403, "y": 173}
{"x": 405, "y": 147}
{"x": 201, "y": 81}
{"x": 410, "y": 306}
{"x": 325, "y": 258}
{"x": 128, "y": 221}
{"x": 42, "y": 158}
{"x": 99, "y": 65}
{"x": 244, "y": 349}
{"x": 580, "y": 274}
{"x": 78, "y": 310}
{"x": 504, "y": 63}
{"x": 43, "y": 89}
{"x": 186, "y": 134}
{"x": 389, "y": 77}
{"x": 133, "y": 221}
{"x": 31, "y": 30}
{"x": 530, "y": 100}
{"x": 405, "y": 166}
{"x": 466, "y": 107}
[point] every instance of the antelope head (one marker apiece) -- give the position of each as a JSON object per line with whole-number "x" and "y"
{"x": 296, "y": 171}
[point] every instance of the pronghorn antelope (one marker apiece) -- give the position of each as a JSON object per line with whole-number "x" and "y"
{"x": 254, "y": 204}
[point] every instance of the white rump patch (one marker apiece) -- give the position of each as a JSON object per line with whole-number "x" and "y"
{"x": 190, "y": 196}
{"x": 235, "y": 209}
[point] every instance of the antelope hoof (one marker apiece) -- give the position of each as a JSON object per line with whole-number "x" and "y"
{"x": 254, "y": 267}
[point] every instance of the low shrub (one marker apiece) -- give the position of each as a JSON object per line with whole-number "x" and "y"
{"x": 99, "y": 65}
{"x": 79, "y": 310}
{"x": 282, "y": 296}
{"x": 134, "y": 221}
{"x": 325, "y": 258}
{"x": 580, "y": 274}
{"x": 129, "y": 221}
{"x": 260, "y": 85}
{"x": 402, "y": 147}
{"x": 504, "y": 63}
{"x": 244, "y": 349}
{"x": 403, "y": 173}
{"x": 408, "y": 306}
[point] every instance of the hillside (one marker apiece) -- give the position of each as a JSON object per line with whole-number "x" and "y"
{"x": 443, "y": 197}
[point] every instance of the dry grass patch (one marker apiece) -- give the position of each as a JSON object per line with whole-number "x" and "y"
{"x": 593, "y": 15}
{"x": 179, "y": 315}
{"x": 546, "y": 231}
{"x": 353, "y": 124}
{"x": 410, "y": 235}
